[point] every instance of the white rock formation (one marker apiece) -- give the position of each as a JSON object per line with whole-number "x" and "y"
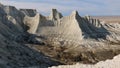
{"x": 114, "y": 63}
{"x": 32, "y": 23}
{"x": 66, "y": 28}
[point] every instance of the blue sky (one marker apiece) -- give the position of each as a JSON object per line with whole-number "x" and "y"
{"x": 84, "y": 7}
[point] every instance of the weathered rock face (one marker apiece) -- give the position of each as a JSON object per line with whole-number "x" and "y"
{"x": 65, "y": 28}
{"x": 55, "y": 15}
{"x": 32, "y": 23}
{"x": 71, "y": 28}
{"x": 93, "y": 28}
{"x": 29, "y": 12}
{"x": 11, "y": 20}
{"x": 14, "y": 16}
{"x": 13, "y": 52}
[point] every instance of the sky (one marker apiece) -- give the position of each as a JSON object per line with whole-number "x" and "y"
{"x": 84, "y": 7}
